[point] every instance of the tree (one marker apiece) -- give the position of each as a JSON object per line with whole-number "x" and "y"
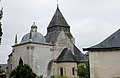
{"x": 2, "y": 71}
{"x": 1, "y": 14}
{"x": 83, "y": 71}
{"x": 22, "y": 71}
{"x": 0, "y": 32}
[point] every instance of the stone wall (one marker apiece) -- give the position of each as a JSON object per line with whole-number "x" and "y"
{"x": 62, "y": 42}
{"x": 67, "y": 69}
{"x": 37, "y": 56}
{"x": 104, "y": 64}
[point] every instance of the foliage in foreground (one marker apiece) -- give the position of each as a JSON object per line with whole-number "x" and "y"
{"x": 83, "y": 71}
{"x": 22, "y": 71}
{"x": 1, "y": 71}
{"x": 61, "y": 76}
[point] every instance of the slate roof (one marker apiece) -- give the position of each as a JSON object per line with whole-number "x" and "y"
{"x": 52, "y": 37}
{"x": 66, "y": 56}
{"x": 80, "y": 57}
{"x": 58, "y": 19}
{"x": 3, "y": 66}
{"x": 33, "y": 36}
{"x": 112, "y": 42}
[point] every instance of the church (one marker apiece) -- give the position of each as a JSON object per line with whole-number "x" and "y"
{"x": 50, "y": 55}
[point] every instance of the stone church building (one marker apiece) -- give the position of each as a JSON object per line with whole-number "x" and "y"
{"x": 51, "y": 55}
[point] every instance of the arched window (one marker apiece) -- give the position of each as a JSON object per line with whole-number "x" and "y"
{"x": 61, "y": 71}
{"x": 73, "y": 71}
{"x": 11, "y": 67}
{"x": 20, "y": 62}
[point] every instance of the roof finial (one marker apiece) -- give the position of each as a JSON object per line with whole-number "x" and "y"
{"x": 33, "y": 27}
{"x": 57, "y": 3}
{"x": 16, "y": 39}
{"x": 33, "y": 23}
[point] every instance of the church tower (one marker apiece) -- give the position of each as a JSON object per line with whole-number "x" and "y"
{"x": 65, "y": 55}
{"x": 58, "y": 34}
{"x": 57, "y": 24}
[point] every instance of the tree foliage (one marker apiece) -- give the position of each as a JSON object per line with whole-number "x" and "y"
{"x": 1, "y": 13}
{"x": 22, "y": 71}
{"x": 61, "y": 76}
{"x": 83, "y": 71}
{"x": 1, "y": 71}
{"x": 0, "y": 30}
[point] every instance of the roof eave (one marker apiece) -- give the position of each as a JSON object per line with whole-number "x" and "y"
{"x": 32, "y": 43}
{"x": 102, "y": 49}
{"x": 64, "y": 61}
{"x": 82, "y": 61}
{"x": 58, "y": 26}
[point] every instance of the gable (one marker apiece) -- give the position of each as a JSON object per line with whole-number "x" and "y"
{"x": 63, "y": 40}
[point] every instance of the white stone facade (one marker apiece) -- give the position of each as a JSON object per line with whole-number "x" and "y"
{"x": 71, "y": 67}
{"x": 39, "y": 56}
{"x": 104, "y": 64}
{"x": 35, "y": 55}
{"x": 62, "y": 42}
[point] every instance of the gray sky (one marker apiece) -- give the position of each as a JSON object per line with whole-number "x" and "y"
{"x": 91, "y": 21}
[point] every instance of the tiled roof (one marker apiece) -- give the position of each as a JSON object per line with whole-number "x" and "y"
{"x": 52, "y": 37}
{"x": 80, "y": 57}
{"x": 66, "y": 56}
{"x": 112, "y": 42}
{"x": 58, "y": 19}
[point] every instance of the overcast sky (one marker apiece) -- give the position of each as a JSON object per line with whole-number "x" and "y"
{"x": 91, "y": 21}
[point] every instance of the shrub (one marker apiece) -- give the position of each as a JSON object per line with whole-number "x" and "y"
{"x": 22, "y": 71}
{"x": 61, "y": 76}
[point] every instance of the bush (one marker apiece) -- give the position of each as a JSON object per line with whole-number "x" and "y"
{"x": 1, "y": 71}
{"x": 61, "y": 76}
{"x": 83, "y": 71}
{"x": 22, "y": 71}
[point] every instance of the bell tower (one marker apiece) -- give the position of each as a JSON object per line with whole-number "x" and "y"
{"x": 58, "y": 23}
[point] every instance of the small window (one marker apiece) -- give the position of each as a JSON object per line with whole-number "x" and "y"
{"x": 10, "y": 66}
{"x": 61, "y": 71}
{"x": 73, "y": 71}
{"x": 20, "y": 62}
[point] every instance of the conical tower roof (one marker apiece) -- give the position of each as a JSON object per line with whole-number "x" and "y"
{"x": 58, "y": 19}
